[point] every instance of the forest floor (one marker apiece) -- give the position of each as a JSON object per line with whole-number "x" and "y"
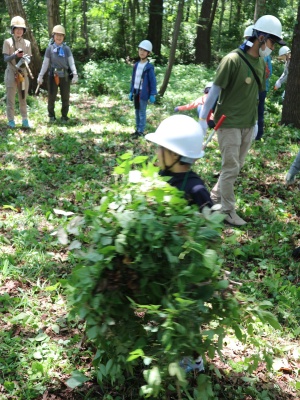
{"x": 55, "y": 170}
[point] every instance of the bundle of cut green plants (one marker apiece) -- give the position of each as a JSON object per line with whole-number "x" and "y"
{"x": 149, "y": 282}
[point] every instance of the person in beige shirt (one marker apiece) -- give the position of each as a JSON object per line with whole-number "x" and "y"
{"x": 16, "y": 51}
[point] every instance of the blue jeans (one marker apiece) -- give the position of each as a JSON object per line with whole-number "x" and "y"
{"x": 140, "y": 116}
{"x": 295, "y": 168}
{"x": 260, "y": 111}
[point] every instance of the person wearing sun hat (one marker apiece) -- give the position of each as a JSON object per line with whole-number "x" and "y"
{"x": 180, "y": 141}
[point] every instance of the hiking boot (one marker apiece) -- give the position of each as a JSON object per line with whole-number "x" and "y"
{"x": 52, "y": 119}
{"x": 290, "y": 179}
{"x": 192, "y": 365}
{"x": 137, "y": 134}
{"x": 65, "y": 119}
{"x": 25, "y": 124}
{"x": 233, "y": 219}
{"x": 11, "y": 123}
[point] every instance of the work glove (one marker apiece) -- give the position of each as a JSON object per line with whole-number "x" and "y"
{"x": 176, "y": 109}
{"x": 75, "y": 78}
{"x": 277, "y": 85}
{"x": 40, "y": 80}
{"x": 130, "y": 96}
{"x": 290, "y": 179}
{"x": 152, "y": 99}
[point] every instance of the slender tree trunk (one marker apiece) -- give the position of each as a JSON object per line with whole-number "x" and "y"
{"x": 260, "y": 9}
{"x": 220, "y": 24}
{"x": 53, "y": 14}
{"x": 156, "y": 25}
{"x": 202, "y": 42}
{"x": 173, "y": 47}
{"x": 85, "y": 29}
{"x": 290, "y": 109}
{"x": 14, "y": 8}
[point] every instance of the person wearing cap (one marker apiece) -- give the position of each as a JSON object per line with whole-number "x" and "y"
{"x": 198, "y": 103}
{"x": 283, "y": 55}
{"x": 60, "y": 64}
{"x": 180, "y": 140}
{"x": 143, "y": 86}
{"x": 239, "y": 79}
{"x": 16, "y": 51}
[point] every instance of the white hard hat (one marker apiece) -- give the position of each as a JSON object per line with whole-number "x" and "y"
{"x": 284, "y": 50}
{"x": 146, "y": 45}
{"x": 271, "y": 25}
{"x": 180, "y": 134}
{"x": 248, "y": 31}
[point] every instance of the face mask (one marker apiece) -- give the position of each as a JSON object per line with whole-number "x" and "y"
{"x": 265, "y": 53}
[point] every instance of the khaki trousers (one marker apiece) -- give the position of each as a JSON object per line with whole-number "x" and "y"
{"x": 234, "y": 145}
{"x": 11, "y": 89}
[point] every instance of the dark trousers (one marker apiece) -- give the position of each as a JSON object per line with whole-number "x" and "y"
{"x": 260, "y": 111}
{"x": 64, "y": 87}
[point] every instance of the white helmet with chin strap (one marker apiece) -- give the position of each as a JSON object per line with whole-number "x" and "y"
{"x": 180, "y": 134}
{"x": 271, "y": 26}
{"x": 284, "y": 50}
{"x": 146, "y": 45}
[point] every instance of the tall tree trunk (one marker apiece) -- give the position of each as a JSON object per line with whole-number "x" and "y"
{"x": 155, "y": 25}
{"x": 14, "y": 8}
{"x": 202, "y": 42}
{"x": 173, "y": 47}
{"x": 53, "y": 14}
{"x": 220, "y": 24}
{"x": 290, "y": 109}
{"x": 260, "y": 9}
{"x": 85, "y": 30}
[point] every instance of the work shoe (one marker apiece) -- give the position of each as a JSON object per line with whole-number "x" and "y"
{"x": 233, "y": 219}
{"x": 11, "y": 123}
{"x": 192, "y": 365}
{"x": 52, "y": 119}
{"x": 290, "y": 179}
{"x": 137, "y": 134}
{"x": 25, "y": 124}
{"x": 215, "y": 199}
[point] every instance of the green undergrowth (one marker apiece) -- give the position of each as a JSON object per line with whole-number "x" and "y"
{"x": 51, "y": 173}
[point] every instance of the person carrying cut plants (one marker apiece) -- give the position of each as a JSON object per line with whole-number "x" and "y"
{"x": 17, "y": 52}
{"x": 180, "y": 140}
{"x": 60, "y": 64}
{"x": 198, "y": 103}
{"x": 239, "y": 79}
{"x": 143, "y": 86}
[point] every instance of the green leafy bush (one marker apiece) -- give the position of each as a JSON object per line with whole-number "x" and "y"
{"x": 150, "y": 284}
{"x": 99, "y": 79}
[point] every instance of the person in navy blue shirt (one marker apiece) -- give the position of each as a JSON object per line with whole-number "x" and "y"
{"x": 143, "y": 86}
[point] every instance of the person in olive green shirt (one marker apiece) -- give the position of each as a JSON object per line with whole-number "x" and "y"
{"x": 239, "y": 79}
